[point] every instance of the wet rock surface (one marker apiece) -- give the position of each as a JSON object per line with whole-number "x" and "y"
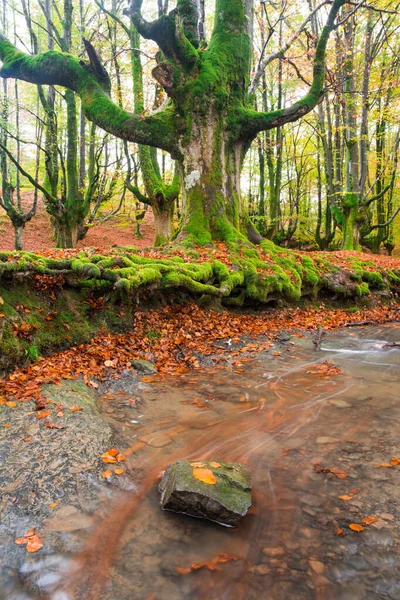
{"x": 225, "y": 499}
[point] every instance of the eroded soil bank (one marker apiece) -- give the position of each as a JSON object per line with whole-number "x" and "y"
{"x": 314, "y": 433}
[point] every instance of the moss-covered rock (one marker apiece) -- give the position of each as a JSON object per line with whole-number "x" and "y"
{"x": 225, "y": 501}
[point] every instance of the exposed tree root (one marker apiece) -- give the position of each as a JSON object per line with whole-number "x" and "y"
{"x": 245, "y": 274}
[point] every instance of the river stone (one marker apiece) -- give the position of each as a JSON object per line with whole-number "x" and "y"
{"x": 224, "y": 502}
{"x": 144, "y": 366}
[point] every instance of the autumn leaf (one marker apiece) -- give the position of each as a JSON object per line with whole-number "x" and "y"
{"x": 75, "y": 409}
{"x": 395, "y": 461}
{"x": 111, "y": 363}
{"x": 53, "y": 504}
{"x": 346, "y": 497}
{"x": 109, "y": 459}
{"x": 369, "y": 520}
{"x": 338, "y": 531}
{"x": 43, "y": 414}
{"x": 112, "y": 456}
{"x": 119, "y": 471}
{"x": 106, "y": 474}
{"x": 214, "y": 465}
{"x": 386, "y": 465}
{"x": 11, "y": 404}
{"x": 334, "y": 470}
{"x": 51, "y": 425}
{"x": 204, "y": 475}
{"x": 210, "y": 565}
{"x": 113, "y": 452}
{"x": 183, "y": 570}
{"x": 31, "y": 540}
{"x": 356, "y": 527}
{"x": 197, "y": 464}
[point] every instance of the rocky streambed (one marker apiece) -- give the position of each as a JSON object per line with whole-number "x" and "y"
{"x": 318, "y": 429}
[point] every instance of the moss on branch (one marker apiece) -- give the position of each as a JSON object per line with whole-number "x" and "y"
{"x": 60, "y": 68}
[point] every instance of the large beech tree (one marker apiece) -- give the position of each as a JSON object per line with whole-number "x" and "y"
{"x": 209, "y": 122}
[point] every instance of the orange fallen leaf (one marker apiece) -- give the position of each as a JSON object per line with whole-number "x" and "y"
{"x": 106, "y": 474}
{"x": 119, "y": 471}
{"x": 51, "y": 425}
{"x": 338, "y": 531}
{"x": 75, "y": 408}
{"x": 262, "y": 399}
{"x": 34, "y": 544}
{"x": 214, "y": 465}
{"x": 386, "y": 465}
{"x": 211, "y": 565}
{"x": 356, "y": 527}
{"x": 183, "y": 570}
{"x": 197, "y": 464}
{"x": 53, "y": 504}
{"x": 11, "y": 404}
{"x": 369, "y": 520}
{"x": 43, "y": 414}
{"x": 395, "y": 461}
{"x": 113, "y": 452}
{"x": 204, "y": 475}
{"x": 120, "y": 457}
{"x": 32, "y": 541}
{"x": 110, "y": 460}
{"x": 346, "y": 497}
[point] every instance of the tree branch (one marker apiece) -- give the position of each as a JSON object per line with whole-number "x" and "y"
{"x": 392, "y": 218}
{"x": 252, "y": 121}
{"x": 168, "y": 31}
{"x": 262, "y": 64}
{"x": 60, "y": 68}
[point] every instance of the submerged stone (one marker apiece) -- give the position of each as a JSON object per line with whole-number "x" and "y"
{"x": 226, "y": 501}
{"x": 144, "y": 366}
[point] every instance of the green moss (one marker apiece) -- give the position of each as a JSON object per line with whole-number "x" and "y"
{"x": 363, "y": 289}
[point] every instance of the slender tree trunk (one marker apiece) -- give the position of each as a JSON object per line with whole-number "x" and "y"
{"x": 163, "y": 219}
{"x": 351, "y": 198}
{"x": 18, "y": 233}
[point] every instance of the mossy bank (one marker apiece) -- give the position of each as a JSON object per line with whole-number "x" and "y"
{"x": 63, "y": 299}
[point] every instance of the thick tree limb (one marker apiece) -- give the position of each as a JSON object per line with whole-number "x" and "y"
{"x": 168, "y": 31}
{"x": 252, "y": 121}
{"x": 60, "y": 68}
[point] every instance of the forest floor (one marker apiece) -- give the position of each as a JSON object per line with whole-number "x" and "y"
{"x": 38, "y": 233}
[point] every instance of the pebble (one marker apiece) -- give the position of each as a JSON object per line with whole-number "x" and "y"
{"x": 260, "y": 570}
{"x": 340, "y": 403}
{"x": 317, "y": 566}
{"x": 386, "y": 516}
{"x": 272, "y": 552}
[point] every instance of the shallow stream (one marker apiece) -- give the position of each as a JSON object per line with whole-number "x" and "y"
{"x": 288, "y": 418}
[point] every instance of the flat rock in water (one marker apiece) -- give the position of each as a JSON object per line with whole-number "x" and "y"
{"x": 225, "y": 500}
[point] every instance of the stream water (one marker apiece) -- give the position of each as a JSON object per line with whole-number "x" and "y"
{"x": 282, "y": 415}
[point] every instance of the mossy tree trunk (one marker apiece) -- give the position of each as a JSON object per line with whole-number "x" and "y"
{"x": 209, "y": 123}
